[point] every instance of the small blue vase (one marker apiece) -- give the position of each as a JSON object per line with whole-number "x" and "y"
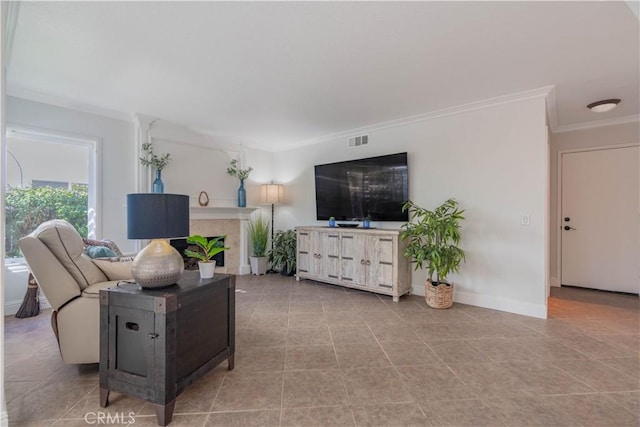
{"x": 332, "y": 222}
{"x": 366, "y": 223}
{"x": 158, "y": 185}
{"x": 242, "y": 195}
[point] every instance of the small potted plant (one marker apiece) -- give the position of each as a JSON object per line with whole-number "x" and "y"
{"x": 433, "y": 237}
{"x": 208, "y": 248}
{"x": 366, "y": 221}
{"x": 258, "y": 235}
{"x": 157, "y": 162}
{"x": 241, "y": 174}
{"x": 283, "y": 254}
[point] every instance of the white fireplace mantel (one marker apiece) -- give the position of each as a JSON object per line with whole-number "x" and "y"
{"x": 229, "y": 213}
{"x": 196, "y": 212}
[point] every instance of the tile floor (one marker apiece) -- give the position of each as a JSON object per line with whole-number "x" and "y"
{"x": 310, "y": 354}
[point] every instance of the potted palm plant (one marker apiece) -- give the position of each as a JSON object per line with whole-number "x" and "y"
{"x": 433, "y": 237}
{"x": 258, "y": 235}
{"x": 283, "y": 254}
{"x": 208, "y": 248}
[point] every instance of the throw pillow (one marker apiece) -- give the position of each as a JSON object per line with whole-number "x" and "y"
{"x": 108, "y": 243}
{"x": 100, "y": 252}
{"x": 115, "y": 268}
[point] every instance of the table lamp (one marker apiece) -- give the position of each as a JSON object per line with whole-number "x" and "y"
{"x": 158, "y": 217}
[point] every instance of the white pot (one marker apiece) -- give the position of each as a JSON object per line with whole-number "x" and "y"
{"x": 206, "y": 269}
{"x": 258, "y": 265}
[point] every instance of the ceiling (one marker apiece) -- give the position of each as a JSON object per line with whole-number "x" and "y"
{"x": 277, "y": 75}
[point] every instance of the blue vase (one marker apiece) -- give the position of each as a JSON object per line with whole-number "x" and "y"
{"x": 332, "y": 222}
{"x": 242, "y": 195}
{"x": 366, "y": 223}
{"x": 158, "y": 185}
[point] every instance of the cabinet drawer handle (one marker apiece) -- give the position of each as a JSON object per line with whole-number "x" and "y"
{"x": 153, "y": 336}
{"x": 347, "y": 258}
{"x": 362, "y": 261}
{"x": 332, "y": 276}
{"x": 346, "y": 278}
{"x": 385, "y": 286}
{"x": 368, "y": 262}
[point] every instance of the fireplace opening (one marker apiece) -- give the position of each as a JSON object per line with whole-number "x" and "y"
{"x": 192, "y": 263}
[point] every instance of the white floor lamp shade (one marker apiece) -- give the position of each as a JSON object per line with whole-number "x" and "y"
{"x": 272, "y": 194}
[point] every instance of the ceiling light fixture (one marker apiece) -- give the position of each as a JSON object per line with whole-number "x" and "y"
{"x": 603, "y": 106}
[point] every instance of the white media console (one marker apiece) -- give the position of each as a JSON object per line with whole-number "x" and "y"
{"x": 367, "y": 259}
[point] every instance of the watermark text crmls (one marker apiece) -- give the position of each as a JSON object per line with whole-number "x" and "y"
{"x": 110, "y": 418}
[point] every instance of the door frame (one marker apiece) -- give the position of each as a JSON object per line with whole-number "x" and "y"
{"x": 559, "y": 196}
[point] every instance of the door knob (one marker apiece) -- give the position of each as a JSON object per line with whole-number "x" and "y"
{"x": 566, "y": 227}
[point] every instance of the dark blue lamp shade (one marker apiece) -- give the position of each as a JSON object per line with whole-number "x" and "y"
{"x": 157, "y": 216}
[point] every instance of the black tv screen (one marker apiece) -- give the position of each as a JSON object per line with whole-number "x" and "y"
{"x": 376, "y": 186}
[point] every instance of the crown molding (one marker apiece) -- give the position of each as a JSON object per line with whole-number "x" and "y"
{"x": 471, "y": 106}
{"x": 597, "y": 123}
{"x": 60, "y": 101}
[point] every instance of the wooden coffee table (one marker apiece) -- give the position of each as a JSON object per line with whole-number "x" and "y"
{"x": 154, "y": 343}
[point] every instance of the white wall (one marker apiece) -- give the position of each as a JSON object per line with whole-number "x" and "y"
{"x": 199, "y": 163}
{"x": 493, "y": 161}
{"x": 628, "y": 133}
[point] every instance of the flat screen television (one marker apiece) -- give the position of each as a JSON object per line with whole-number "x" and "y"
{"x": 351, "y": 190}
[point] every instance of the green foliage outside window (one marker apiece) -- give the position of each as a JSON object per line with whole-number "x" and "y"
{"x": 26, "y": 208}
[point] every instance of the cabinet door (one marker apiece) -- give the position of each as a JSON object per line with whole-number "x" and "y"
{"x": 330, "y": 255}
{"x": 380, "y": 256}
{"x": 352, "y": 262}
{"x": 305, "y": 252}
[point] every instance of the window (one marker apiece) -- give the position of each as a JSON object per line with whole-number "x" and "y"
{"x": 48, "y": 176}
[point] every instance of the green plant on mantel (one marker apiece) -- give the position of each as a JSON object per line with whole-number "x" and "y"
{"x": 152, "y": 159}
{"x": 234, "y": 170}
{"x": 208, "y": 247}
{"x": 433, "y": 238}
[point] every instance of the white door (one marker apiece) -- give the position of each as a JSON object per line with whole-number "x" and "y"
{"x": 599, "y": 220}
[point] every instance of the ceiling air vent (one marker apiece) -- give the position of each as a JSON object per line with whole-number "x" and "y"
{"x": 358, "y": 141}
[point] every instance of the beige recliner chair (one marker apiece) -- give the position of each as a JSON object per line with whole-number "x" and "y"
{"x": 71, "y": 281}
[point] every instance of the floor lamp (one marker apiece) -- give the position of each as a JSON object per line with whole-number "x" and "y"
{"x": 272, "y": 194}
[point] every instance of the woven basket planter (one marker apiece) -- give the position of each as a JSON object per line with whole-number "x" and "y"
{"x": 440, "y": 296}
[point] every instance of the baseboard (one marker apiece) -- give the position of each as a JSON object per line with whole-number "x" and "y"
{"x": 501, "y": 304}
{"x": 494, "y": 303}
{"x": 11, "y": 307}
